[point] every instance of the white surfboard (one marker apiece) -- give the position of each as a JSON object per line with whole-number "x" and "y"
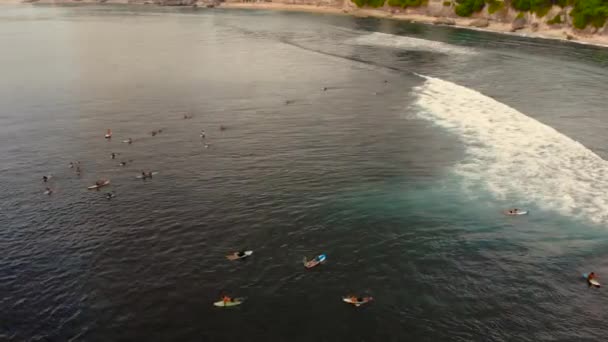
{"x": 593, "y": 282}
{"x": 513, "y": 212}
{"x": 355, "y": 302}
{"x": 93, "y": 187}
{"x": 234, "y": 302}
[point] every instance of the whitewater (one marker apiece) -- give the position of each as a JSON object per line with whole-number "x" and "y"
{"x": 515, "y": 156}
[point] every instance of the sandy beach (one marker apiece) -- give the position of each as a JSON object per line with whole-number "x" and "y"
{"x": 543, "y": 32}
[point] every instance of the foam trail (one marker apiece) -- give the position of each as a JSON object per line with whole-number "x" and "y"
{"x": 515, "y": 155}
{"x": 409, "y": 43}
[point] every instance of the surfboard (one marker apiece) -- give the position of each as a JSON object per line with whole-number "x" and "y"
{"x": 93, "y": 187}
{"x": 314, "y": 262}
{"x": 517, "y": 213}
{"x": 593, "y": 282}
{"x": 153, "y": 173}
{"x": 234, "y": 302}
{"x": 234, "y": 256}
{"x": 108, "y": 134}
{"x": 356, "y": 303}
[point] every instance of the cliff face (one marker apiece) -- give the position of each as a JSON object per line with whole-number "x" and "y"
{"x": 326, "y": 3}
{"x": 506, "y": 15}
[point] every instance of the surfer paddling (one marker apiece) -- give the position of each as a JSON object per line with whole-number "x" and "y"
{"x": 357, "y": 301}
{"x": 145, "y": 175}
{"x": 239, "y": 255}
{"x": 592, "y": 280}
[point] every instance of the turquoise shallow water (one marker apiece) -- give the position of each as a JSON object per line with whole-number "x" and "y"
{"x": 398, "y": 171}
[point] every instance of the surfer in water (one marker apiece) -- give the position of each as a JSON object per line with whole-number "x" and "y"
{"x": 226, "y": 299}
{"x": 123, "y": 163}
{"x": 45, "y": 179}
{"x": 110, "y": 195}
{"x": 202, "y": 134}
{"x": 113, "y": 155}
{"x": 71, "y": 165}
{"x": 49, "y": 191}
{"x": 129, "y": 141}
{"x": 591, "y": 277}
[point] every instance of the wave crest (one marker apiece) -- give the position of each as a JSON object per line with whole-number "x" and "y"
{"x": 515, "y": 155}
{"x": 410, "y": 43}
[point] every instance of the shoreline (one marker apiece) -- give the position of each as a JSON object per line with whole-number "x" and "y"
{"x": 559, "y": 34}
{"x": 461, "y": 23}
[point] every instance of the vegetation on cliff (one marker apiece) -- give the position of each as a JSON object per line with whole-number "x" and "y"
{"x": 587, "y": 12}
{"x": 583, "y": 13}
{"x": 369, "y": 3}
{"x": 406, "y": 3}
{"x": 467, "y": 7}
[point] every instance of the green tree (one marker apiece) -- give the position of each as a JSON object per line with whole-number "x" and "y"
{"x": 587, "y": 12}
{"x": 467, "y": 7}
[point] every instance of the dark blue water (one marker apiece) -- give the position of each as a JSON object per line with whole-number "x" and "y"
{"x": 398, "y": 171}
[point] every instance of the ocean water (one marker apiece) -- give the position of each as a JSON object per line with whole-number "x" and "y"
{"x": 389, "y": 146}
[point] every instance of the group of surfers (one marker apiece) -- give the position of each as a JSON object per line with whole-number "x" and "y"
{"x": 226, "y": 300}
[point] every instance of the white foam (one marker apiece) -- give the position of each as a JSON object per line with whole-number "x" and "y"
{"x": 409, "y": 43}
{"x": 515, "y": 155}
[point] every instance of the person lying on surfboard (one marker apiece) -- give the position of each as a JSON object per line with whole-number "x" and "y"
{"x": 238, "y": 255}
{"x": 314, "y": 262}
{"x": 357, "y": 301}
{"x": 145, "y": 174}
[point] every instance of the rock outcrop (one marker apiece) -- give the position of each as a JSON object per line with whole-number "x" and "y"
{"x": 518, "y": 24}
{"x": 481, "y": 22}
{"x": 444, "y": 21}
{"x": 175, "y": 2}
